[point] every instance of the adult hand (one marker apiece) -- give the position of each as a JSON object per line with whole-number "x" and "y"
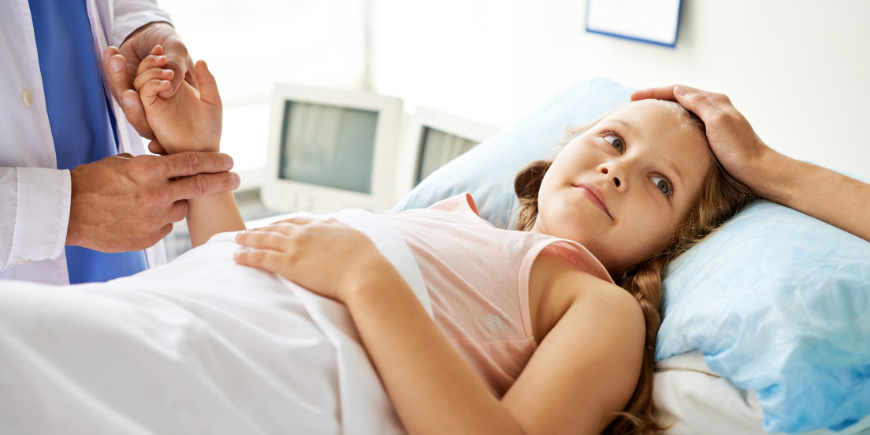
{"x": 739, "y": 149}
{"x": 125, "y": 203}
{"x": 326, "y": 257}
{"x": 121, "y": 65}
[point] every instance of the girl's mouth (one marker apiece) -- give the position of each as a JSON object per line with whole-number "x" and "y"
{"x": 594, "y": 196}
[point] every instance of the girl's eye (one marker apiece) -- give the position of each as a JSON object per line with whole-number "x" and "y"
{"x": 616, "y": 142}
{"x": 663, "y": 184}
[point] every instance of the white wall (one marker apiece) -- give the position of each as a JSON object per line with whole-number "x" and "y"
{"x": 250, "y": 45}
{"x": 798, "y": 69}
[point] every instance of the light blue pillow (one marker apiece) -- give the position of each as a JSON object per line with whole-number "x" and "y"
{"x": 778, "y": 302}
{"x": 487, "y": 171}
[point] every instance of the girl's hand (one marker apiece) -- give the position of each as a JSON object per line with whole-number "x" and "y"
{"x": 326, "y": 257}
{"x": 188, "y": 121}
{"x": 741, "y": 152}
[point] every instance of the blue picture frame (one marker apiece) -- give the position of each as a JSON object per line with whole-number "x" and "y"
{"x": 631, "y": 38}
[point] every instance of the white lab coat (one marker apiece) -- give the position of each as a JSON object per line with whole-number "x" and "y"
{"x": 34, "y": 194}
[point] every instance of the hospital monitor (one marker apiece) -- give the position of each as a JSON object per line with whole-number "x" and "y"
{"x": 433, "y": 139}
{"x": 331, "y": 149}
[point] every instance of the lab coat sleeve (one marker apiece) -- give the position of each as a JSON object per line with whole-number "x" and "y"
{"x": 130, "y": 15}
{"x": 34, "y": 215}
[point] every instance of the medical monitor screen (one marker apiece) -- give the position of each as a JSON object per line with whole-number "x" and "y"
{"x": 437, "y": 148}
{"x": 328, "y": 146}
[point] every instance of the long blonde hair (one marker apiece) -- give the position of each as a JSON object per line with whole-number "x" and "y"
{"x": 722, "y": 196}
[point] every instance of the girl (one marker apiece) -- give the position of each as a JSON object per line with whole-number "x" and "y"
{"x": 549, "y": 329}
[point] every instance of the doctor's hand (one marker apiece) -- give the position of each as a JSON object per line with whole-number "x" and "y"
{"x": 124, "y": 203}
{"x": 121, "y": 66}
{"x": 326, "y": 257}
{"x": 739, "y": 149}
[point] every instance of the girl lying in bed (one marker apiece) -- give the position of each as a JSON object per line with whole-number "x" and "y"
{"x": 551, "y": 328}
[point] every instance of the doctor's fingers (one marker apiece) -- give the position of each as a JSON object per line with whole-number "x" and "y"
{"x": 676, "y": 94}
{"x": 709, "y": 106}
{"x": 177, "y": 211}
{"x": 197, "y": 186}
{"x": 178, "y": 60}
{"x": 192, "y": 162}
{"x": 120, "y": 80}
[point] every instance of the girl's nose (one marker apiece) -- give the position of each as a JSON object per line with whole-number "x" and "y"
{"x": 606, "y": 171}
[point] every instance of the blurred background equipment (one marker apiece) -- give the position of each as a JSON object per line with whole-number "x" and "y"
{"x": 331, "y": 149}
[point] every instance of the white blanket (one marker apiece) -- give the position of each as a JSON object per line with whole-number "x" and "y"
{"x": 200, "y": 345}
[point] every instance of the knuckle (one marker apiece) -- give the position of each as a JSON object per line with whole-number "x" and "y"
{"x": 200, "y": 185}
{"x": 719, "y": 117}
{"x": 292, "y": 258}
{"x": 258, "y": 257}
{"x": 192, "y": 162}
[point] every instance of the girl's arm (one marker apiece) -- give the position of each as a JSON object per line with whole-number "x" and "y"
{"x": 190, "y": 120}
{"x": 213, "y": 214}
{"x": 821, "y": 193}
{"x": 584, "y": 371}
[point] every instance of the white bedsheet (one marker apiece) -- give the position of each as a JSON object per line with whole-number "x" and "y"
{"x": 694, "y": 400}
{"x": 200, "y": 345}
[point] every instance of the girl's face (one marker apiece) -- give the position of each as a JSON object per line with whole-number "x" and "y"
{"x": 621, "y": 188}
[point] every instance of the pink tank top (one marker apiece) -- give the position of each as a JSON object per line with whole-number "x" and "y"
{"x": 477, "y": 277}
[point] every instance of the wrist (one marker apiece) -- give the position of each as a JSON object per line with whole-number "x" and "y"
{"x": 72, "y": 234}
{"x": 377, "y": 282}
{"x": 770, "y": 175}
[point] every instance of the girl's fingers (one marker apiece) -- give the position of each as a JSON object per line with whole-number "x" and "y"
{"x": 148, "y": 93}
{"x": 207, "y": 84}
{"x": 263, "y": 240}
{"x": 297, "y": 220}
{"x": 266, "y": 260}
{"x": 152, "y": 74}
{"x": 151, "y": 62}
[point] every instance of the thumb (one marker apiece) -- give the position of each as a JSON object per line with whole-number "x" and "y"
{"x": 698, "y": 102}
{"x": 207, "y": 84}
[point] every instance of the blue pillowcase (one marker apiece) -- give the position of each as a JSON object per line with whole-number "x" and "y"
{"x": 777, "y": 301}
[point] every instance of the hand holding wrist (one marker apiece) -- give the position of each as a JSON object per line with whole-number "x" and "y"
{"x": 125, "y": 203}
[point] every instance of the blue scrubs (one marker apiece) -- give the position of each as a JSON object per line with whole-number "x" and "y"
{"x": 82, "y": 126}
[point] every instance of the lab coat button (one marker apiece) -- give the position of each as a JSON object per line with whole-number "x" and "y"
{"x": 28, "y": 98}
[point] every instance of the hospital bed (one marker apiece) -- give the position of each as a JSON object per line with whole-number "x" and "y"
{"x": 190, "y": 351}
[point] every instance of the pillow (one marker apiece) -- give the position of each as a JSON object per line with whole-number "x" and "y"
{"x": 778, "y": 302}
{"x": 487, "y": 171}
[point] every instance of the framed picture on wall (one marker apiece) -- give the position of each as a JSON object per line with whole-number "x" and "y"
{"x": 651, "y": 21}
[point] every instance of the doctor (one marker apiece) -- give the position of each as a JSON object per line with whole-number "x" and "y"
{"x": 72, "y": 209}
